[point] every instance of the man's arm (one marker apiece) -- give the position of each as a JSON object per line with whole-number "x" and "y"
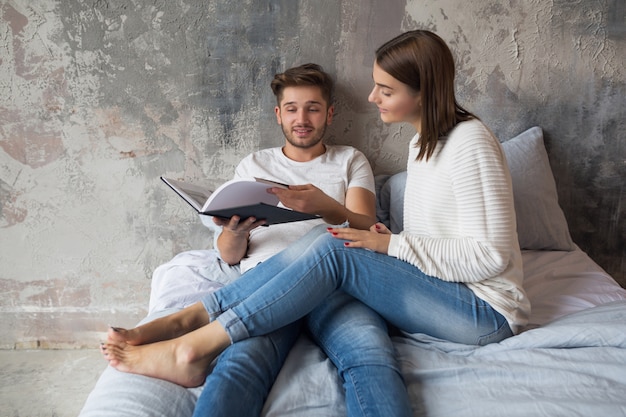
{"x": 359, "y": 209}
{"x": 232, "y": 242}
{"x": 361, "y": 206}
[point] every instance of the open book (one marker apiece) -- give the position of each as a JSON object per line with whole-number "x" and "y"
{"x": 246, "y": 197}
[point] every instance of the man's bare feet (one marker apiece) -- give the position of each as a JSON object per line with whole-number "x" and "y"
{"x": 184, "y": 360}
{"x": 164, "y": 328}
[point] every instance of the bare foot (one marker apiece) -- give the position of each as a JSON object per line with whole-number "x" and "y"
{"x": 164, "y": 328}
{"x": 184, "y": 360}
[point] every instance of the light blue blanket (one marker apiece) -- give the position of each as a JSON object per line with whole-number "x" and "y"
{"x": 575, "y": 366}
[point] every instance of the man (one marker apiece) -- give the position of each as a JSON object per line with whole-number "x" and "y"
{"x": 339, "y": 187}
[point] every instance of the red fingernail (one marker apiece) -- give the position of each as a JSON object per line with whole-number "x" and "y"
{"x": 329, "y": 228}
{"x": 377, "y": 226}
{"x": 335, "y": 233}
{"x": 346, "y": 243}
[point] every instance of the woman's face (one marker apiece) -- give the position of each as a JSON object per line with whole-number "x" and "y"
{"x": 396, "y": 101}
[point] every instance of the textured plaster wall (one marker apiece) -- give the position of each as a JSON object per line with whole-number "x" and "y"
{"x": 98, "y": 98}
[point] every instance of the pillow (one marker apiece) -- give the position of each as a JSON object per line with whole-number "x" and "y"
{"x": 541, "y": 224}
{"x": 390, "y": 200}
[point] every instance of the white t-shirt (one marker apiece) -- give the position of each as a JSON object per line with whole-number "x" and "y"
{"x": 334, "y": 172}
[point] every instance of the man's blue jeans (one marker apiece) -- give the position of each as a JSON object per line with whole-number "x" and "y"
{"x": 356, "y": 340}
{"x": 414, "y": 302}
{"x": 352, "y": 335}
{"x": 244, "y": 374}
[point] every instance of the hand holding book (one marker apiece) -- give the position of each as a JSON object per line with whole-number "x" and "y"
{"x": 247, "y": 197}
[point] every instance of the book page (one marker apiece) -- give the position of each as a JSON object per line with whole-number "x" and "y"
{"x": 237, "y": 193}
{"x": 195, "y": 195}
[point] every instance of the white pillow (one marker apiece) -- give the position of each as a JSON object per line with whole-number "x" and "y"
{"x": 541, "y": 224}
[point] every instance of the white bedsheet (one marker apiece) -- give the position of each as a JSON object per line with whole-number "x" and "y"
{"x": 560, "y": 283}
{"x": 573, "y": 365}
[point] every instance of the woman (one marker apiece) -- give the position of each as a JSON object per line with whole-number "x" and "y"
{"x": 454, "y": 273}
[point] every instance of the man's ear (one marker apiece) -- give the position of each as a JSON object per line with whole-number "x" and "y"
{"x": 329, "y": 114}
{"x": 279, "y": 119}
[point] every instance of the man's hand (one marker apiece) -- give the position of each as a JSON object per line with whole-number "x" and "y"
{"x": 305, "y": 198}
{"x": 235, "y": 226}
{"x": 359, "y": 209}
{"x": 376, "y": 239}
{"x": 233, "y": 241}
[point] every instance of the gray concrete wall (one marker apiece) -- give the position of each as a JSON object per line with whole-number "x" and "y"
{"x": 99, "y": 98}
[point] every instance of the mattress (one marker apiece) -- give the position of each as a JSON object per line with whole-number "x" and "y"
{"x": 570, "y": 360}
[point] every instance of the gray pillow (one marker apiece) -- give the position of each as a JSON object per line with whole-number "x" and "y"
{"x": 541, "y": 224}
{"x": 390, "y": 200}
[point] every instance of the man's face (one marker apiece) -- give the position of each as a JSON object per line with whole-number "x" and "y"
{"x": 303, "y": 115}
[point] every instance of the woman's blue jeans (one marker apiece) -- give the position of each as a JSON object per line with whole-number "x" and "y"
{"x": 309, "y": 273}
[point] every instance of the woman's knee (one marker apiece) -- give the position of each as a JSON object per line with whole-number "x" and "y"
{"x": 325, "y": 243}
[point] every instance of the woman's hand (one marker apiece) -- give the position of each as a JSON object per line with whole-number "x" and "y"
{"x": 376, "y": 239}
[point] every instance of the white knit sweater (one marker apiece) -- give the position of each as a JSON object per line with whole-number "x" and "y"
{"x": 459, "y": 219}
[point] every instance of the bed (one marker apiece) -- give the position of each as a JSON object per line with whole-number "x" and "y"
{"x": 569, "y": 360}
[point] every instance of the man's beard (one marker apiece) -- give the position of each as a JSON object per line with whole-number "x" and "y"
{"x": 289, "y": 136}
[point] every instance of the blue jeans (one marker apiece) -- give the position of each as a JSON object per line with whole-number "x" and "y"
{"x": 352, "y": 335}
{"x": 399, "y": 292}
{"x": 244, "y": 374}
{"x": 356, "y": 340}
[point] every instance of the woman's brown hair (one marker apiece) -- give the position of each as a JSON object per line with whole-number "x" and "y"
{"x": 423, "y": 61}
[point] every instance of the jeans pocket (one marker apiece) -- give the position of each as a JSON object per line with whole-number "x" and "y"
{"x": 501, "y": 333}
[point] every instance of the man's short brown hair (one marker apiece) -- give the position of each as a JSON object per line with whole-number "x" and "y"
{"x": 303, "y": 75}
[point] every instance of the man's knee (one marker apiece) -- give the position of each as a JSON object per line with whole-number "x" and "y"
{"x": 369, "y": 352}
{"x": 266, "y": 353}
